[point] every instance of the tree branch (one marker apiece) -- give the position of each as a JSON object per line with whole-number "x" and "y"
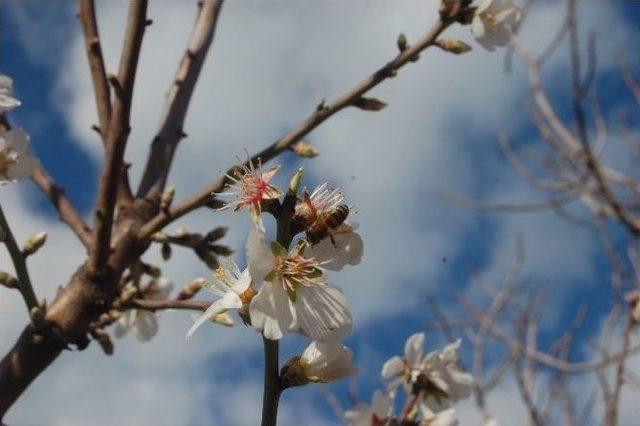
{"x": 177, "y": 102}
{"x": 317, "y": 117}
{"x": 67, "y": 212}
{"x": 117, "y": 136}
{"x": 19, "y": 262}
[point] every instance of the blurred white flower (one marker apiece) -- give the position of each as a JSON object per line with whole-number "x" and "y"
{"x": 494, "y": 21}
{"x": 16, "y": 163}
{"x": 442, "y": 380}
{"x": 436, "y": 376}
{"x": 144, "y": 323}
{"x": 326, "y": 362}
{"x": 371, "y": 415}
{"x": 294, "y": 296}
{"x": 7, "y": 102}
{"x": 248, "y": 187}
{"x": 403, "y": 370}
{"x": 230, "y": 286}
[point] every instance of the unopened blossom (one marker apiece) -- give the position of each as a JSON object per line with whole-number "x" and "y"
{"x": 326, "y": 362}
{"x": 341, "y": 245}
{"x": 249, "y": 187}
{"x": 294, "y": 295}
{"x": 404, "y": 370}
{"x": 7, "y": 102}
{"x": 375, "y": 414}
{"x": 144, "y": 323}
{"x": 232, "y": 286}
{"x": 494, "y": 21}
{"x": 16, "y": 163}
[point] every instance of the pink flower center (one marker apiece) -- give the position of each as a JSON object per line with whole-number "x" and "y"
{"x": 253, "y": 188}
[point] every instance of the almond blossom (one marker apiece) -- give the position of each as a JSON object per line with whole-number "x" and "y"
{"x": 375, "y": 414}
{"x": 436, "y": 376}
{"x": 494, "y": 21}
{"x": 7, "y": 102}
{"x": 249, "y": 186}
{"x": 294, "y": 296}
{"x": 342, "y": 245}
{"x": 16, "y": 163}
{"x": 232, "y": 286}
{"x": 326, "y": 362}
{"x": 144, "y": 323}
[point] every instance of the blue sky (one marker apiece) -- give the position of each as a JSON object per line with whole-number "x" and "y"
{"x": 438, "y": 134}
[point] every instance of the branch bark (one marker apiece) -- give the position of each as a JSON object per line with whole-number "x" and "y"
{"x": 117, "y": 136}
{"x": 178, "y": 99}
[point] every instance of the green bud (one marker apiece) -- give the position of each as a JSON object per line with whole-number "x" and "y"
{"x": 167, "y": 198}
{"x": 304, "y": 149}
{"x": 402, "y": 42}
{"x": 8, "y": 280}
{"x": 454, "y": 46}
{"x": 296, "y": 179}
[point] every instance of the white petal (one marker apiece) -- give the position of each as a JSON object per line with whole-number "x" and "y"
{"x": 271, "y": 312}
{"x": 413, "y": 349}
{"x": 228, "y": 301}
{"x": 18, "y": 139}
{"x": 447, "y": 417}
{"x": 242, "y": 283}
{"x": 392, "y": 368}
{"x": 322, "y": 312}
{"x": 361, "y": 415}
{"x": 145, "y": 326}
{"x": 259, "y": 257}
{"x": 124, "y": 324}
{"x": 381, "y": 404}
{"x": 477, "y": 27}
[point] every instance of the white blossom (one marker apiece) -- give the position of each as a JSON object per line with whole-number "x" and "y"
{"x": 342, "y": 245}
{"x": 370, "y": 415}
{"x": 144, "y": 323}
{"x": 249, "y": 186}
{"x": 7, "y": 102}
{"x": 446, "y": 417}
{"x": 403, "y": 370}
{"x": 16, "y": 163}
{"x": 230, "y": 285}
{"x": 294, "y": 295}
{"x": 326, "y": 362}
{"x": 494, "y": 21}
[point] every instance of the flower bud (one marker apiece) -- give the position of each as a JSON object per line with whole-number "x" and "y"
{"x": 304, "y": 149}
{"x": 192, "y": 288}
{"x": 452, "y": 45}
{"x": 159, "y": 237}
{"x": 402, "y": 42}
{"x": 294, "y": 184}
{"x": 223, "y": 318}
{"x": 8, "y": 280}
{"x": 319, "y": 363}
{"x": 166, "y": 251}
{"x": 167, "y": 198}
{"x": 34, "y": 243}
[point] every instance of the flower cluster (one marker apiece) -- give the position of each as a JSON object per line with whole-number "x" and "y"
{"x": 285, "y": 290}
{"x": 494, "y": 21}
{"x": 16, "y": 163}
{"x": 432, "y": 383}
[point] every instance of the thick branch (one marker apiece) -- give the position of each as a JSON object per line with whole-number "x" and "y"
{"x": 117, "y": 136}
{"x": 317, "y": 117}
{"x": 177, "y": 101}
{"x": 67, "y": 212}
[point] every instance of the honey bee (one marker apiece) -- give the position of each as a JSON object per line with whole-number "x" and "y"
{"x": 325, "y": 222}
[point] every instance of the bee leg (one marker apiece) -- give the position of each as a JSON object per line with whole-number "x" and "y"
{"x": 333, "y": 241}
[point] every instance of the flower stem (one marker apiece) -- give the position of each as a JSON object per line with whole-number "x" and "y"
{"x": 272, "y": 388}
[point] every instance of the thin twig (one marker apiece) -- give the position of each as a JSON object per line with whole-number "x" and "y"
{"x": 19, "y": 262}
